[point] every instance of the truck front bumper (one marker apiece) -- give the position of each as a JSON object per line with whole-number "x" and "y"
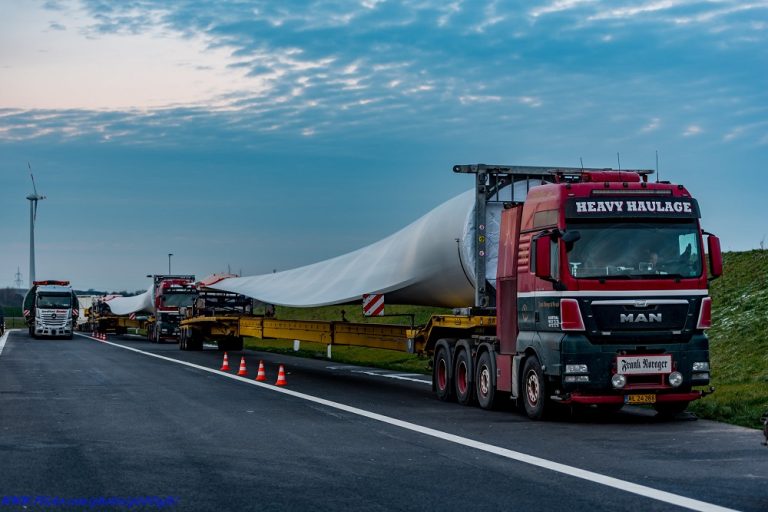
{"x": 588, "y": 399}
{"x": 53, "y": 331}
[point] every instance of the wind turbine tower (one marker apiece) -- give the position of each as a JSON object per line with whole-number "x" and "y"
{"x": 33, "y": 199}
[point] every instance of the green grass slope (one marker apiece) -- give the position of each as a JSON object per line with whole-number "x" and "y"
{"x": 739, "y": 341}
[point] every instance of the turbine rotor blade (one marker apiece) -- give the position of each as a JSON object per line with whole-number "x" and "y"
{"x": 34, "y": 187}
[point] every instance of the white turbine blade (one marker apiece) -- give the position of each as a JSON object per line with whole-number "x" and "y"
{"x": 33, "y": 177}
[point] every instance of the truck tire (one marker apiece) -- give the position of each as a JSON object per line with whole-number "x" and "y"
{"x": 194, "y": 342}
{"x": 484, "y": 388}
{"x": 462, "y": 378}
{"x": 441, "y": 375}
{"x": 534, "y": 389}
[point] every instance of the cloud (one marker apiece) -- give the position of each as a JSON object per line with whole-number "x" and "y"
{"x": 692, "y": 130}
{"x": 652, "y": 125}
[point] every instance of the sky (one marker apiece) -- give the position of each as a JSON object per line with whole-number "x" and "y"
{"x": 259, "y": 135}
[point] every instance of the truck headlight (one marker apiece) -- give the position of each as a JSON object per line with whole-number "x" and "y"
{"x": 675, "y": 379}
{"x": 618, "y": 381}
{"x": 701, "y": 366}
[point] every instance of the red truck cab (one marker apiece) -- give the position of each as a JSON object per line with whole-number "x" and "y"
{"x": 601, "y": 293}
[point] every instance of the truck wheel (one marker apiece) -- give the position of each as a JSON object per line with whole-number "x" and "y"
{"x": 670, "y": 409}
{"x": 486, "y": 392}
{"x": 183, "y": 339}
{"x": 462, "y": 378}
{"x": 194, "y": 342}
{"x": 441, "y": 376}
{"x": 534, "y": 389}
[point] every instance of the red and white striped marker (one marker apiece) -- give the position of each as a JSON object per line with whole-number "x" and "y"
{"x": 373, "y": 304}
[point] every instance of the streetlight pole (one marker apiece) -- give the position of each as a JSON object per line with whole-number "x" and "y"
{"x": 169, "y": 262}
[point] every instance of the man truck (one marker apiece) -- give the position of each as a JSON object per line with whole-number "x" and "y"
{"x": 170, "y": 293}
{"x": 51, "y": 309}
{"x": 600, "y": 298}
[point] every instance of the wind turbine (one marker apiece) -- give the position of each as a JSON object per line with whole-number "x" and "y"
{"x": 33, "y": 199}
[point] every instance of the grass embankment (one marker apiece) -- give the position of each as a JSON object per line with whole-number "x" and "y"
{"x": 739, "y": 341}
{"x": 388, "y": 359}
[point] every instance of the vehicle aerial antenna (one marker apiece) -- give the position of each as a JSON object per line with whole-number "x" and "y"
{"x": 33, "y": 199}
{"x": 657, "y": 166}
{"x": 581, "y": 161}
{"x": 618, "y": 159}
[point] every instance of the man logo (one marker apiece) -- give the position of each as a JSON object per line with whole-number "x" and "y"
{"x": 632, "y": 318}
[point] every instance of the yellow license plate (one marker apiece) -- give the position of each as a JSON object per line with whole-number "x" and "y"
{"x": 640, "y": 399}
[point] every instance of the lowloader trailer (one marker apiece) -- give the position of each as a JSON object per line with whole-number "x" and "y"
{"x": 99, "y": 318}
{"x": 600, "y": 298}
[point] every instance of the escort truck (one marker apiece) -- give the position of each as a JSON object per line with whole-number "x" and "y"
{"x": 51, "y": 309}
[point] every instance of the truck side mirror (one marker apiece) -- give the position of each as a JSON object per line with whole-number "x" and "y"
{"x": 543, "y": 257}
{"x": 715, "y": 256}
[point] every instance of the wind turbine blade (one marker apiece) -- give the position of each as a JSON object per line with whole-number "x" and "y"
{"x": 34, "y": 187}
{"x": 34, "y": 213}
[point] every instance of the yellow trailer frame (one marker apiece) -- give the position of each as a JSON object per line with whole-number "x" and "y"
{"x": 383, "y": 336}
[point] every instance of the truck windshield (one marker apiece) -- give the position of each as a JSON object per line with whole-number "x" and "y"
{"x": 635, "y": 249}
{"x": 180, "y": 300}
{"x": 59, "y": 301}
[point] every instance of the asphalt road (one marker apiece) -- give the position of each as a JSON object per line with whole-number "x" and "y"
{"x": 84, "y": 419}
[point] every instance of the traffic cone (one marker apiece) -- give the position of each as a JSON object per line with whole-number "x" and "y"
{"x": 225, "y": 364}
{"x": 242, "y": 371}
{"x": 262, "y": 375}
{"x": 281, "y": 377}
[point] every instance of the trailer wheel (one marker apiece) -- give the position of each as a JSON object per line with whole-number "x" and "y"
{"x": 441, "y": 375}
{"x": 194, "y": 341}
{"x": 486, "y": 392}
{"x": 534, "y": 389}
{"x": 462, "y": 378}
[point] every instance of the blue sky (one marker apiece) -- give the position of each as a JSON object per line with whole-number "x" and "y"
{"x": 266, "y": 135}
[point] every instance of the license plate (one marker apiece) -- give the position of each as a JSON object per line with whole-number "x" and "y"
{"x": 639, "y": 399}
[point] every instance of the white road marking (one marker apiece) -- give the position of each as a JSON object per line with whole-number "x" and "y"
{"x": 2, "y": 340}
{"x": 622, "y": 485}
{"x": 394, "y": 376}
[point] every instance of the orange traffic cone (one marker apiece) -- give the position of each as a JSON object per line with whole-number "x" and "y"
{"x": 281, "y": 377}
{"x": 262, "y": 375}
{"x": 225, "y": 364}
{"x": 242, "y": 371}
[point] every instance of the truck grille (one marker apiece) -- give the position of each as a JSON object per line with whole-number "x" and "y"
{"x": 52, "y": 318}
{"x": 639, "y": 315}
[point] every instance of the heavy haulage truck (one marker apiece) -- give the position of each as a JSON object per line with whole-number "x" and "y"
{"x": 600, "y": 298}
{"x": 51, "y": 309}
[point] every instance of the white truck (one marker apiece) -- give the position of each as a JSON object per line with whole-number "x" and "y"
{"x": 51, "y": 309}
